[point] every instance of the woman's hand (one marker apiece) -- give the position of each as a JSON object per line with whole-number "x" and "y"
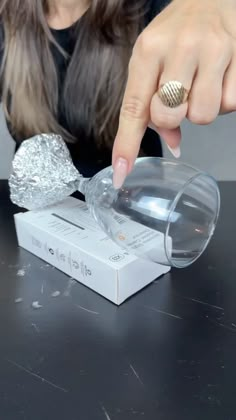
{"x": 193, "y": 42}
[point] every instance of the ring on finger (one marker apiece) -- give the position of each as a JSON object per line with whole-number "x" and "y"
{"x": 173, "y": 94}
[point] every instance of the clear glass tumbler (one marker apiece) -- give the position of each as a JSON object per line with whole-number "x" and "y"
{"x": 165, "y": 211}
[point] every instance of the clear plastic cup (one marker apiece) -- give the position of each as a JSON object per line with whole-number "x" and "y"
{"x": 166, "y": 211}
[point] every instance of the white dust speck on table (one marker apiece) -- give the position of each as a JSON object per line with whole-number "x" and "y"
{"x": 162, "y": 312}
{"x": 21, "y": 272}
{"x": 35, "y": 375}
{"x": 44, "y": 266}
{"x": 136, "y": 374}
{"x": 35, "y": 327}
{"x": 202, "y": 303}
{"x": 36, "y": 305}
{"x": 18, "y": 300}
{"x": 87, "y": 310}
{"x": 42, "y": 288}
{"x": 105, "y": 412}
{"x": 71, "y": 283}
{"x": 55, "y": 294}
{"x": 26, "y": 266}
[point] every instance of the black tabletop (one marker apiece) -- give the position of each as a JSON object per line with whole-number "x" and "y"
{"x": 168, "y": 353}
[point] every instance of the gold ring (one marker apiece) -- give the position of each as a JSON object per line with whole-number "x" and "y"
{"x": 173, "y": 94}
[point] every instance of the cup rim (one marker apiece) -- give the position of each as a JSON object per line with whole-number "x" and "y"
{"x": 172, "y": 208}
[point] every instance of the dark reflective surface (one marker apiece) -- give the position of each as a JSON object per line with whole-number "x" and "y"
{"x": 166, "y": 354}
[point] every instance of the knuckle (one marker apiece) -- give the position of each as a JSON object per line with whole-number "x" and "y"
{"x": 145, "y": 43}
{"x": 165, "y": 120}
{"x": 199, "y": 117}
{"x": 187, "y": 40}
{"x": 228, "y": 103}
{"x": 186, "y": 45}
{"x": 133, "y": 108}
{"x": 217, "y": 45}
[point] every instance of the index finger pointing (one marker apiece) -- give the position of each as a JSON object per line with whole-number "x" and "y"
{"x": 135, "y": 110}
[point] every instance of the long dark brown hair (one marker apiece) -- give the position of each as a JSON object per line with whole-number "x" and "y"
{"x": 96, "y": 73}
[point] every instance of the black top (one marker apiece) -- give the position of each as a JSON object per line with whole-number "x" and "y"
{"x": 96, "y": 160}
{"x": 168, "y": 353}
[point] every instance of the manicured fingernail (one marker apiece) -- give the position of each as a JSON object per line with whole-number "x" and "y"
{"x": 175, "y": 151}
{"x": 120, "y": 172}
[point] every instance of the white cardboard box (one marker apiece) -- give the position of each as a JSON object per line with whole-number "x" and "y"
{"x": 67, "y": 237}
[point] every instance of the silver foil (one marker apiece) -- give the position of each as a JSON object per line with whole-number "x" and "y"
{"x": 43, "y": 172}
